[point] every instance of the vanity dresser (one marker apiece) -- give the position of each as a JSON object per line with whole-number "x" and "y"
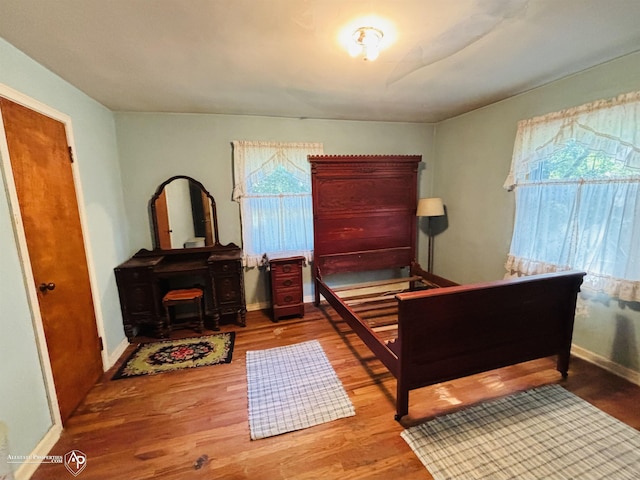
{"x": 187, "y": 254}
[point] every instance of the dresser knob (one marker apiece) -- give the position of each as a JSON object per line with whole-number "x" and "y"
{"x": 287, "y": 283}
{"x": 286, "y": 268}
{"x": 288, "y": 298}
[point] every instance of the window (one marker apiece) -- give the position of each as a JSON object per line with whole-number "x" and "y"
{"x": 576, "y": 175}
{"x": 273, "y": 187}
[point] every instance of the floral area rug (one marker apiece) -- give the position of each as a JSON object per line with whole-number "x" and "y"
{"x": 169, "y": 355}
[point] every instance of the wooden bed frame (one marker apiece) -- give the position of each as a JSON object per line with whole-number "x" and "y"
{"x": 424, "y": 328}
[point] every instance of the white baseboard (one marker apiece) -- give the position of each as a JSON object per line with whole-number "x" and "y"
{"x": 258, "y": 306}
{"x": 605, "y": 363}
{"x": 26, "y": 470}
{"x": 117, "y": 353}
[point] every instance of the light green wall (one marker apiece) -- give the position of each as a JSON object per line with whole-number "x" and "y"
{"x": 23, "y": 401}
{"x": 154, "y": 147}
{"x": 473, "y": 155}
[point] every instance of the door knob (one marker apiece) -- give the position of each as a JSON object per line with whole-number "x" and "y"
{"x": 46, "y": 286}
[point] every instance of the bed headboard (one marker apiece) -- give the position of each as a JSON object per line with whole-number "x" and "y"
{"x": 364, "y": 211}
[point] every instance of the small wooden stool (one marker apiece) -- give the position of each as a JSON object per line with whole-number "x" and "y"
{"x": 181, "y": 297}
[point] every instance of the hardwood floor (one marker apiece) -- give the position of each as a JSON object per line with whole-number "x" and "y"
{"x": 193, "y": 423}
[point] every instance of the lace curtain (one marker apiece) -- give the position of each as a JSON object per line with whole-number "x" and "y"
{"x": 272, "y": 184}
{"x": 576, "y": 176}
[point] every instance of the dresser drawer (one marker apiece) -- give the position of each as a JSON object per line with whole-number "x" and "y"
{"x": 227, "y": 289}
{"x": 226, "y": 266}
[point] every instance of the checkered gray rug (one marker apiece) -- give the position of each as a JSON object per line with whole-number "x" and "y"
{"x": 291, "y": 388}
{"x": 545, "y": 433}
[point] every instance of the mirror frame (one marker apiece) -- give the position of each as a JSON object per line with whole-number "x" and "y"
{"x": 154, "y": 218}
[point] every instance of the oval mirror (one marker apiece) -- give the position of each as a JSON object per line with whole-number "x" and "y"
{"x": 183, "y": 215}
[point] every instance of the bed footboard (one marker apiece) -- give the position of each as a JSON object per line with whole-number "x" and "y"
{"x": 458, "y": 331}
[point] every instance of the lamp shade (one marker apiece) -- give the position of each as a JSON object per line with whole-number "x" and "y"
{"x": 430, "y": 207}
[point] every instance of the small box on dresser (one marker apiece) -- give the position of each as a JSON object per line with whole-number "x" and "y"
{"x": 285, "y": 274}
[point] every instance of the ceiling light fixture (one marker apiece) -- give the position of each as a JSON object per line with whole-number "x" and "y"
{"x": 366, "y": 42}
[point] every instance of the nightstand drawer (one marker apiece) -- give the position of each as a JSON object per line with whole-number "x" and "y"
{"x": 287, "y": 281}
{"x": 286, "y": 269}
{"x": 288, "y": 296}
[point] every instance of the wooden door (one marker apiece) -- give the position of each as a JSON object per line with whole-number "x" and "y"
{"x": 41, "y": 164}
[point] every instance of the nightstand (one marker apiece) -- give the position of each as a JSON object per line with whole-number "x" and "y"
{"x": 286, "y": 286}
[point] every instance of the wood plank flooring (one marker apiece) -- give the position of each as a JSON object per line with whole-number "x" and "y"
{"x": 192, "y": 424}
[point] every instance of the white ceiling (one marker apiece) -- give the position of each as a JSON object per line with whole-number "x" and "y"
{"x": 282, "y": 57}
